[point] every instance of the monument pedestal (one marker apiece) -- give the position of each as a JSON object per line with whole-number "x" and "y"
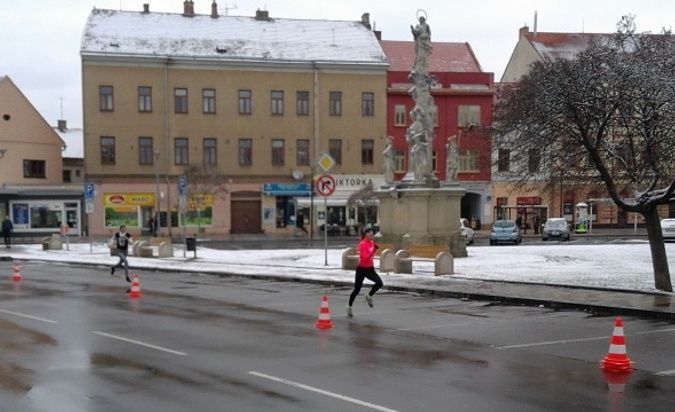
{"x": 422, "y": 215}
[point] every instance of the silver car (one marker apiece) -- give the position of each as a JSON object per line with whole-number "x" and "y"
{"x": 466, "y": 230}
{"x": 668, "y": 229}
{"x": 555, "y": 227}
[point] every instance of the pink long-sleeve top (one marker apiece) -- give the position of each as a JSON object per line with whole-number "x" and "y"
{"x": 366, "y": 253}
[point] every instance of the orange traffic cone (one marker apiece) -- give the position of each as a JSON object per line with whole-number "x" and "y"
{"x": 16, "y": 277}
{"x": 617, "y": 360}
{"x": 324, "y": 315}
{"x": 135, "y": 291}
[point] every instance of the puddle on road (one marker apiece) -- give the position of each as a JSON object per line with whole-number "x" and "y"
{"x": 15, "y": 378}
{"x": 14, "y": 337}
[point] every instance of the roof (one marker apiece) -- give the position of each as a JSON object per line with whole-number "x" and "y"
{"x": 551, "y": 46}
{"x": 445, "y": 57}
{"x": 228, "y": 38}
{"x": 74, "y": 140}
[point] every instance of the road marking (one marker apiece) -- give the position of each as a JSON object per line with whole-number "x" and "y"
{"x": 322, "y": 392}
{"x": 555, "y": 342}
{"x": 23, "y": 315}
{"x": 147, "y": 345}
{"x": 435, "y": 326}
{"x": 666, "y": 373}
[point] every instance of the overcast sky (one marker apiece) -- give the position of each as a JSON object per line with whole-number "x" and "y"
{"x": 40, "y": 40}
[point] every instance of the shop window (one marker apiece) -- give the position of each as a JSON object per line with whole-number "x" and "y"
{"x": 284, "y": 210}
{"x": 42, "y": 217}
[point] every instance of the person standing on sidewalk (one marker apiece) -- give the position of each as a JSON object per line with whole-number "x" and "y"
{"x": 121, "y": 242}
{"x": 7, "y": 230}
{"x": 365, "y": 269}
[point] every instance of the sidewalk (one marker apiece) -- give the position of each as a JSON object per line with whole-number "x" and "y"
{"x": 291, "y": 265}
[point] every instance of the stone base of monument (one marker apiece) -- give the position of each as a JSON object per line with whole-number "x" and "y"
{"x": 422, "y": 216}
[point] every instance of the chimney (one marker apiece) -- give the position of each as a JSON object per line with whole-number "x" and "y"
{"x": 262, "y": 15}
{"x": 365, "y": 20}
{"x": 214, "y": 10}
{"x": 535, "y": 23}
{"x": 523, "y": 31}
{"x": 378, "y": 34}
{"x": 189, "y": 8}
{"x": 61, "y": 125}
{"x": 146, "y": 8}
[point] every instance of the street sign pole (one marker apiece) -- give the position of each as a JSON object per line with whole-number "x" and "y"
{"x": 325, "y": 185}
{"x": 182, "y": 185}
{"x": 325, "y": 231}
{"x": 89, "y": 194}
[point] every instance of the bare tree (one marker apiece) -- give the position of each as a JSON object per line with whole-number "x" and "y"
{"x": 204, "y": 185}
{"x": 364, "y": 197}
{"x": 607, "y": 116}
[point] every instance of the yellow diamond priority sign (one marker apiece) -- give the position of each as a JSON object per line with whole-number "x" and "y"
{"x": 326, "y": 162}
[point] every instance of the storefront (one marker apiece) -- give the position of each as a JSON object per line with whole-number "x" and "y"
{"x": 528, "y": 212}
{"x": 35, "y": 211}
{"x": 280, "y": 206}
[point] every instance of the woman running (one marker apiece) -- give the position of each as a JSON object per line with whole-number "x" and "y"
{"x": 365, "y": 269}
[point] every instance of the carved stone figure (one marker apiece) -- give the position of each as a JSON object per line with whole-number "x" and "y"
{"x": 452, "y": 160}
{"x": 422, "y": 35}
{"x": 389, "y": 154}
{"x": 420, "y": 159}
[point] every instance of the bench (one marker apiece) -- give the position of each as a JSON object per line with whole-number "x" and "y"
{"x": 426, "y": 251}
{"x": 350, "y": 258}
{"x": 443, "y": 262}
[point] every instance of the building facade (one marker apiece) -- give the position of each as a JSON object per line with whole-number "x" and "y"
{"x": 463, "y": 95}
{"x": 248, "y": 104}
{"x": 32, "y": 191}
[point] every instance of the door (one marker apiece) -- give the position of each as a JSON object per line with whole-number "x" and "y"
{"x": 246, "y": 216}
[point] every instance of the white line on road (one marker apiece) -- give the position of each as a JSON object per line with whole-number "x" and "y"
{"x": 23, "y": 315}
{"x": 555, "y": 342}
{"x": 666, "y": 373}
{"x": 147, "y": 345}
{"x": 322, "y": 392}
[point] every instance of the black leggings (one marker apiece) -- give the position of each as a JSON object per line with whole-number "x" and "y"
{"x": 361, "y": 274}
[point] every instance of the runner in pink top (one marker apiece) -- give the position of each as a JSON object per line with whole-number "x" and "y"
{"x": 365, "y": 269}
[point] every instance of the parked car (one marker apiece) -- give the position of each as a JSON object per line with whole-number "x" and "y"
{"x": 668, "y": 229}
{"x": 555, "y": 227}
{"x": 505, "y": 231}
{"x": 466, "y": 230}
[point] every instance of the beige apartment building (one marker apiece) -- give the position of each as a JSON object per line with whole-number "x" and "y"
{"x": 247, "y": 103}
{"x": 32, "y": 191}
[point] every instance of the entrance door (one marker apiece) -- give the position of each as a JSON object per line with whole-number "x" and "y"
{"x": 246, "y": 216}
{"x": 73, "y": 219}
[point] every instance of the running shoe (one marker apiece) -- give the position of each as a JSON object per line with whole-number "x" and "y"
{"x": 369, "y": 299}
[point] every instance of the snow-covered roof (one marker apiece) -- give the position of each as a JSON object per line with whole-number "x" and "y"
{"x": 229, "y": 38}
{"x": 445, "y": 57}
{"x": 552, "y": 46}
{"x": 74, "y": 140}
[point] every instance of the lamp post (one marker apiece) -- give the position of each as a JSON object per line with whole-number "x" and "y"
{"x": 156, "y": 222}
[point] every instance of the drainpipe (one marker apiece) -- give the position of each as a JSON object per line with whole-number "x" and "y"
{"x": 316, "y": 136}
{"x": 167, "y": 134}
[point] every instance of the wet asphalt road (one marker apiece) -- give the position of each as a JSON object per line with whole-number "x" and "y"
{"x": 71, "y": 340}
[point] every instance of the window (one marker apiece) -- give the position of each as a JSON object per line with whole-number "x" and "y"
{"x": 399, "y": 115}
{"x": 277, "y": 152}
{"x": 244, "y": 102}
{"x": 106, "y": 102}
{"x": 533, "y": 160}
{"x": 144, "y": 99}
{"x": 209, "y": 101}
{"x": 434, "y": 160}
{"x": 209, "y": 152}
{"x": 181, "y": 151}
{"x": 302, "y": 154}
{"x": 399, "y": 161}
{"x": 468, "y": 161}
{"x": 34, "y": 169}
{"x": 245, "y": 152}
{"x": 367, "y": 151}
{"x": 468, "y": 114}
{"x": 335, "y": 103}
{"x": 107, "y": 150}
{"x": 503, "y": 160}
{"x": 67, "y": 176}
{"x": 335, "y": 150}
{"x": 367, "y": 104}
{"x": 180, "y": 100}
{"x": 302, "y": 103}
{"x": 145, "y": 153}
{"x": 277, "y": 103}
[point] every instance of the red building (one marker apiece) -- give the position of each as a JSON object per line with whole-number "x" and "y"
{"x": 463, "y": 95}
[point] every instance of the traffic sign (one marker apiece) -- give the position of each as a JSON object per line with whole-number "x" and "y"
{"x": 89, "y": 190}
{"x": 325, "y": 185}
{"x": 89, "y": 207}
{"x": 326, "y": 162}
{"x": 182, "y": 184}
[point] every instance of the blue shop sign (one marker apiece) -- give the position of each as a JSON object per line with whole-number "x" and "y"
{"x": 287, "y": 189}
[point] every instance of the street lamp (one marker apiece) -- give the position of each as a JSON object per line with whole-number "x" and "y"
{"x": 156, "y": 222}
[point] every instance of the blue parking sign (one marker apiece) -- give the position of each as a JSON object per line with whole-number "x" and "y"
{"x": 89, "y": 190}
{"x": 182, "y": 183}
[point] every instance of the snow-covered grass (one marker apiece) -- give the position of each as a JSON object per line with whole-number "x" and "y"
{"x": 620, "y": 266}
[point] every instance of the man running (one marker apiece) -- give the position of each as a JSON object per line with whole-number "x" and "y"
{"x": 365, "y": 269}
{"x": 121, "y": 242}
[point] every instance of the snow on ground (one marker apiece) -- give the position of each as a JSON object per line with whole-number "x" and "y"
{"x": 616, "y": 266}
